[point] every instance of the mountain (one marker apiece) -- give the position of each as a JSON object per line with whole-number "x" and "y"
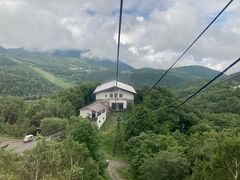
{"x": 200, "y": 71}
{"x": 50, "y": 72}
{"x": 19, "y": 80}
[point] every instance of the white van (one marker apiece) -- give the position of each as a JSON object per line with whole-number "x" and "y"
{"x": 28, "y": 138}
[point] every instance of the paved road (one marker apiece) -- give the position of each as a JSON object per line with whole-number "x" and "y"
{"x": 113, "y": 166}
{"x": 17, "y": 145}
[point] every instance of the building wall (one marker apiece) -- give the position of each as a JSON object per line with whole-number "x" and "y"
{"x": 101, "y": 119}
{"x": 106, "y": 95}
{"x": 119, "y": 101}
{"x": 86, "y": 113}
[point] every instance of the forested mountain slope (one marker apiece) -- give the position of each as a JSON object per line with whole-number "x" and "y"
{"x": 60, "y": 69}
{"x": 19, "y": 80}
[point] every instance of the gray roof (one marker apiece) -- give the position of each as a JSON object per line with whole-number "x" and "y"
{"x": 112, "y": 84}
{"x": 96, "y": 106}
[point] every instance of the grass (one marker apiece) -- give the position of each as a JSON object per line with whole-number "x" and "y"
{"x": 107, "y": 135}
{"x": 52, "y": 78}
{"x": 7, "y": 137}
{"x": 124, "y": 172}
{"x": 49, "y": 76}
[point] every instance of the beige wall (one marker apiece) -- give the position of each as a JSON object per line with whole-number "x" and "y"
{"x": 85, "y": 113}
{"x": 125, "y": 95}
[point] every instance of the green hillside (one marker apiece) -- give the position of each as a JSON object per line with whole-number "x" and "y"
{"x": 197, "y": 71}
{"x": 19, "y": 80}
{"x": 66, "y": 69}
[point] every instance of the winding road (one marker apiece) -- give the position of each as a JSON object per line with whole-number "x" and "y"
{"x": 17, "y": 145}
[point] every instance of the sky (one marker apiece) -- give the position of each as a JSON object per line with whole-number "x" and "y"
{"x": 154, "y": 32}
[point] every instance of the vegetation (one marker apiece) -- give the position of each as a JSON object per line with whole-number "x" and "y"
{"x": 18, "y": 80}
{"x": 35, "y": 75}
{"x": 185, "y": 144}
{"x": 53, "y": 79}
{"x": 200, "y": 140}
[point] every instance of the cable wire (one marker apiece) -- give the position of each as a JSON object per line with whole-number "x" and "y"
{"x": 233, "y": 77}
{"x": 191, "y": 44}
{"x": 181, "y": 99}
{"x": 198, "y": 91}
{"x": 119, "y": 38}
{"x": 118, "y": 51}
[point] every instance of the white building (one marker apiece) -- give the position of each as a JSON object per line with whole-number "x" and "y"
{"x": 111, "y": 95}
{"x": 96, "y": 111}
{"x": 114, "y": 93}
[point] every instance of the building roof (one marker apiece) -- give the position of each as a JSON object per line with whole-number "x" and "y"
{"x": 113, "y": 84}
{"x": 96, "y": 106}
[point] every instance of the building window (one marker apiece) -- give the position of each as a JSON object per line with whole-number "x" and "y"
{"x": 105, "y": 95}
{"x": 120, "y": 95}
{"x": 103, "y": 111}
{"x": 111, "y": 95}
{"x": 115, "y": 95}
{"x": 99, "y": 113}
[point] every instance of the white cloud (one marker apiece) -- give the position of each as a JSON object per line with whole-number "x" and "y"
{"x": 140, "y": 19}
{"x": 154, "y": 33}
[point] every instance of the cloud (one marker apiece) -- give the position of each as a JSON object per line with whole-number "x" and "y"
{"x": 154, "y": 33}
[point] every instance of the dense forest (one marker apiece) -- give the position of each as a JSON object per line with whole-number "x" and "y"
{"x": 19, "y": 80}
{"x": 38, "y": 74}
{"x": 198, "y": 141}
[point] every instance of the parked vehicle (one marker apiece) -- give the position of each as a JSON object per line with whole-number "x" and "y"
{"x": 28, "y": 138}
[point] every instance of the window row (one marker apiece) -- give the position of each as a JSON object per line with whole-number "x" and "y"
{"x": 115, "y": 95}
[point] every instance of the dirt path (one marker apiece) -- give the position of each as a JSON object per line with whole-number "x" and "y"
{"x": 17, "y": 145}
{"x": 113, "y": 166}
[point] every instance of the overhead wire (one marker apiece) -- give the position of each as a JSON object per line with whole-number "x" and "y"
{"x": 175, "y": 62}
{"x": 228, "y": 79}
{"x": 118, "y": 52}
{"x": 208, "y": 83}
{"x": 188, "y": 96}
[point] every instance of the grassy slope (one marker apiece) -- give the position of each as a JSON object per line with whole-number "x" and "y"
{"x": 107, "y": 134}
{"x": 48, "y": 76}
{"x": 52, "y": 78}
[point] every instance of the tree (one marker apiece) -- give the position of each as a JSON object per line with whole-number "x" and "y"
{"x": 85, "y": 132}
{"x": 78, "y": 96}
{"x": 52, "y": 125}
{"x": 167, "y": 166}
{"x": 145, "y": 146}
{"x": 12, "y": 109}
{"x": 138, "y": 121}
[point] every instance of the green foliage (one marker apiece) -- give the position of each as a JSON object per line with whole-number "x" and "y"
{"x": 141, "y": 120}
{"x": 19, "y": 80}
{"x": 34, "y": 75}
{"x": 219, "y": 100}
{"x": 9, "y": 164}
{"x": 85, "y": 132}
{"x": 214, "y": 155}
{"x": 11, "y": 109}
{"x": 78, "y": 96}
{"x": 52, "y": 125}
{"x": 167, "y": 166}
{"x": 198, "y": 141}
{"x": 58, "y": 160}
{"x": 146, "y": 146}
{"x": 50, "y": 160}
{"x": 19, "y": 117}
